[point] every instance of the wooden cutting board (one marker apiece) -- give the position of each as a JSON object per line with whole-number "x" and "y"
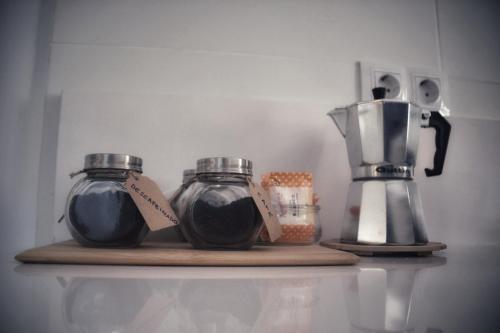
{"x": 181, "y": 254}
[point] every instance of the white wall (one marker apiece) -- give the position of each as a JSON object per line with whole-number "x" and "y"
{"x": 23, "y": 78}
{"x": 288, "y": 52}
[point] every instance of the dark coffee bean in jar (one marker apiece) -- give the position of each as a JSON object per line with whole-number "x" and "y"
{"x": 99, "y": 210}
{"x": 216, "y": 210}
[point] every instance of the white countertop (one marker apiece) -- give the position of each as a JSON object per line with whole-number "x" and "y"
{"x": 457, "y": 290}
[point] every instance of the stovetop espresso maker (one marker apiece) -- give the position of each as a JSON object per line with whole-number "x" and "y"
{"x": 383, "y": 203}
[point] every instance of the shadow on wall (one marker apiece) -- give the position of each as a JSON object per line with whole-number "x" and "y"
{"x": 170, "y": 132}
{"x": 47, "y": 171}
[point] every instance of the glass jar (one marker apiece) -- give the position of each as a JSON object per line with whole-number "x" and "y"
{"x": 299, "y": 225}
{"x": 177, "y": 199}
{"x": 216, "y": 209}
{"x": 99, "y": 210}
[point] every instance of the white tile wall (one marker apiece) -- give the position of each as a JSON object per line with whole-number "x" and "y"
{"x": 463, "y": 205}
{"x": 474, "y": 99}
{"x": 23, "y": 77}
{"x": 341, "y": 30}
{"x": 155, "y": 70}
{"x": 470, "y": 38}
{"x": 278, "y": 54}
{"x": 171, "y": 131}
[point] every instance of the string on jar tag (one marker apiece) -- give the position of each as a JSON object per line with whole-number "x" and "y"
{"x": 76, "y": 173}
{"x": 133, "y": 175}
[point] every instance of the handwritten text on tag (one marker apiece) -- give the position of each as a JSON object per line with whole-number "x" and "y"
{"x": 263, "y": 202}
{"x": 151, "y": 202}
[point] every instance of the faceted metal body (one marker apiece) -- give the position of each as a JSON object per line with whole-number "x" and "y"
{"x": 383, "y": 205}
{"x": 384, "y": 212}
{"x": 381, "y": 137}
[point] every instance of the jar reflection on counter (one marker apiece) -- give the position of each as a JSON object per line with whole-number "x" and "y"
{"x": 216, "y": 209}
{"x": 99, "y": 210}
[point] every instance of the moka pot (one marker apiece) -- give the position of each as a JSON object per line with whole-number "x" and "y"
{"x": 382, "y": 136}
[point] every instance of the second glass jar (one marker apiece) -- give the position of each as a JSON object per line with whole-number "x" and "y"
{"x": 216, "y": 209}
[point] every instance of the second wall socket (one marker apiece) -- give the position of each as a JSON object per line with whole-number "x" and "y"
{"x": 429, "y": 89}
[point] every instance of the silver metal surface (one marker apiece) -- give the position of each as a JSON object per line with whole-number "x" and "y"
{"x": 382, "y": 171}
{"x": 389, "y": 294}
{"x": 384, "y": 212}
{"x": 381, "y": 133}
{"x": 383, "y": 204}
{"x": 224, "y": 165}
{"x": 112, "y": 161}
{"x": 187, "y": 175}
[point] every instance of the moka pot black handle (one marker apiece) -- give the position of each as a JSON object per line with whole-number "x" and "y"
{"x": 443, "y": 129}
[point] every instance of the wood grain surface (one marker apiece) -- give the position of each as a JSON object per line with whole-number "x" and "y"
{"x": 180, "y": 254}
{"x": 369, "y": 250}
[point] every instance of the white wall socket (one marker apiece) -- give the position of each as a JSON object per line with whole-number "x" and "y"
{"x": 393, "y": 78}
{"x": 425, "y": 87}
{"x": 429, "y": 89}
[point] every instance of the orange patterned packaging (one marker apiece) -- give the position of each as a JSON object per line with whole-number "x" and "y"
{"x": 294, "y": 201}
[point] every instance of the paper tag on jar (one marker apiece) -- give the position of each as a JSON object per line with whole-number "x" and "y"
{"x": 263, "y": 202}
{"x": 151, "y": 202}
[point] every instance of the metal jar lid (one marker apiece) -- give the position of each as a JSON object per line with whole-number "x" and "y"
{"x": 112, "y": 161}
{"x": 224, "y": 165}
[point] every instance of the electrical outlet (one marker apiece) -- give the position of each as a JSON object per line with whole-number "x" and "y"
{"x": 429, "y": 90}
{"x": 393, "y": 78}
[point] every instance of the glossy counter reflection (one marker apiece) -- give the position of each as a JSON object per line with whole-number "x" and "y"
{"x": 379, "y": 295}
{"x": 382, "y": 299}
{"x": 206, "y": 300}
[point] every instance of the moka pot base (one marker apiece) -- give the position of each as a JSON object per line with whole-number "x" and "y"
{"x": 380, "y": 212}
